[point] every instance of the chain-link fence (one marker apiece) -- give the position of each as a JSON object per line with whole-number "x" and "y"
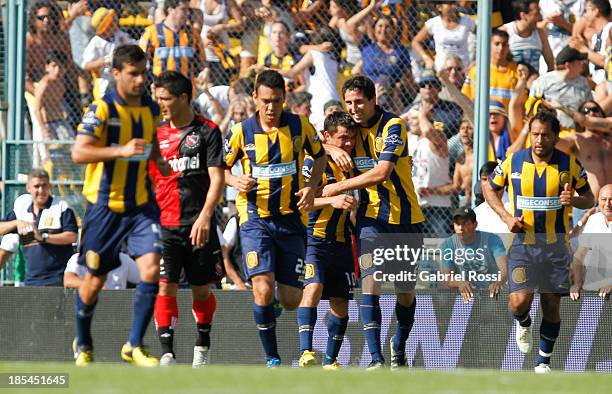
{"x": 396, "y": 43}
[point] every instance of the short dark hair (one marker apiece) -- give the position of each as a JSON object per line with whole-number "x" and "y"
{"x": 127, "y": 54}
{"x": 522, "y": 6}
{"x": 500, "y": 33}
{"x": 271, "y": 79}
{"x": 56, "y": 57}
{"x": 339, "y": 118}
{"x": 531, "y": 70}
{"x": 602, "y": 5}
{"x": 298, "y": 98}
{"x": 487, "y": 168}
{"x": 548, "y": 118}
{"x": 38, "y": 173}
{"x": 173, "y": 4}
{"x": 243, "y": 86}
{"x": 362, "y": 84}
{"x": 176, "y": 83}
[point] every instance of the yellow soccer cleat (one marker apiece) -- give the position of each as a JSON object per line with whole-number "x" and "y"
{"x": 308, "y": 359}
{"x": 82, "y": 358}
{"x": 138, "y": 356}
{"x": 332, "y": 367}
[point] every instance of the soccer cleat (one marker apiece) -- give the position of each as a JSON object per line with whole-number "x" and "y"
{"x": 273, "y": 363}
{"x": 166, "y": 360}
{"x": 334, "y": 366}
{"x": 397, "y": 360}
{"x": 376, "y": 364}
{"x": 523, "y": 338}
{"x": 138, "y": 356}
{"x": 82, "y": 357}
{"x": 308, "y": 359}
{"x": 200, "y": 356}
{"x": 542, "y": 368}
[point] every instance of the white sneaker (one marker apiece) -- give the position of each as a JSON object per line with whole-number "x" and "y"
{"x": 542, "y": 368}
{"x": 167, "y": 359}
{"x": 523, "y": 338}
{"x": 200, "y": 356}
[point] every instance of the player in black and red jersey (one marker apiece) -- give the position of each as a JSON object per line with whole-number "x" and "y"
{"x": 193, "y": 147}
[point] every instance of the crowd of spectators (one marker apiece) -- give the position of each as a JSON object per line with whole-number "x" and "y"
{"x": 549, "y": 55}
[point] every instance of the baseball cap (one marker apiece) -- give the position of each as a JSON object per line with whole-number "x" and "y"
{"x": 102, "y": 19}
{"x": 464, "y": 212}
{"x": 497, "y": 107}
{"x": 569, "y": 54}
{"x": 429, "y": 76}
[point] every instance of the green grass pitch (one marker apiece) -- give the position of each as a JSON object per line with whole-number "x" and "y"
{"x": 118, "y": 378}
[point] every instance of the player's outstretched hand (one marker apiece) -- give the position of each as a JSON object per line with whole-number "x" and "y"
{"x": 515, "y": 225}
{"x": 340, "y": 157}
{"x": 307, "y": 196}
{"x": 566, "y": 195}
{"x": 330, "y": 190}
{"x": 344, "y": 201}
{"x": 200, "y": 232}
{"x": 244, "y": 183}
{"x": 467, "y": 291}
{"x": 135, "y": 147}
{"x": 575, "y": 292}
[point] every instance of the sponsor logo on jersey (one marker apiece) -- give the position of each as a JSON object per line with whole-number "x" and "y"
{"x": 249, "y": 147}
{"x": 192, "y": 140}
{"x": 185, "y": 163}
{"x": 273, "y": 171}
{"x": 498, "y": 171}
{"x": 90, "y": 119}
{"x": 393, "y": 140}
{"x": 164, "y": 144}
{"x": 364, "y": 163}
{"x": 538, "y": 203}
{"x": 516, "y": 175}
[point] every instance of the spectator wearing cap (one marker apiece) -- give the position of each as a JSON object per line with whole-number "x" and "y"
{"x": 446, "y": 115}
{"x": 478, "y": 257}
{"x": 431, "y": 173}
{"x": 485, "y": 215}
{"x": 99, "y": 51}
{"x": 566, "y": 85}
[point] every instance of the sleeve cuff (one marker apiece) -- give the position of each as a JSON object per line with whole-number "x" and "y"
{"x": 387, "y": 156}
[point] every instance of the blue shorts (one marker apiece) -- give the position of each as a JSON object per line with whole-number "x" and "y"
{"x": 105, "y": 232}
{"x": 275, "y": 245}
{"x": 373, "y": 234}
{"x": 542, "y": 267}
{"x": 330, "y": 263}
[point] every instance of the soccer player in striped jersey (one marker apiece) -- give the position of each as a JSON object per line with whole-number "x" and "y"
{"x": 329, "y": 271}
{"x": 271, "y": 146}
{"x": 540, "y": 181}
{"x": 115, "y": 139}
{"x": 388, "y": 205}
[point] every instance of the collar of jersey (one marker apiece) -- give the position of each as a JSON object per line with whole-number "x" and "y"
{"x": 114, "y": 94}
{"x": 254, "y": 125}
{"x": 47, "y": 204}
{"x": 376, "y": 118}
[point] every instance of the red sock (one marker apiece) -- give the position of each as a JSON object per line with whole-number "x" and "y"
{"x": 166, "y": 311}
{"x": 203, "y": 311}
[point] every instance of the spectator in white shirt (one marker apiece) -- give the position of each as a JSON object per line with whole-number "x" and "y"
{"x": 117, "y": 279}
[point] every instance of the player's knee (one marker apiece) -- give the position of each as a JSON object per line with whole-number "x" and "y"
{"x": 311, "y": 295}
{"x": 200, "y": 292}
{"x": 339, "y": 307}
{"x": 168, "y": 289}
{"x": 519, "y": 303}
{"x": 405, "y": 299}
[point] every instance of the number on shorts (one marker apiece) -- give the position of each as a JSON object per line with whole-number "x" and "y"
{"x": 350, "y": 279}
{"x": 299, "y": 267}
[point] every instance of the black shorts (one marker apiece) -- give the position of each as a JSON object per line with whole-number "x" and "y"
{"x": 202, "y": 265}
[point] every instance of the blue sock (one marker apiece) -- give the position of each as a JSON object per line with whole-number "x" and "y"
{"x": 144, "y": 302}
{"x": 306, "y": 318}
{"x": 336, "y": 327}
{"x": 524, "y": 319}
{"x": 371, "y": 319}
{"x": 84, "y": 315}
{"x": 266, "y": 325}
{"x": 405, "y": 320}
{"x": 548, "y": 335}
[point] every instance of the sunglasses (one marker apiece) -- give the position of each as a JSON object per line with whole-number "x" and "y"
{"x": 458, "y": 69}
{"x": 42, "y": 17}
{"x": 592, "y": 110}
{"x": 430, "y": 85}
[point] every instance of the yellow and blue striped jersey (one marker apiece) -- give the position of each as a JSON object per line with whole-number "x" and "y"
{"x": 120, "y": 184}
{"x": 609, "y": 66}
{"x": 394, "y": 201}
{"x": 167, "y": 50}
{"x": 328, "y": 222}
{"x": 502, "y": 83}
{"x": 534, "y": 191}
{"x": 274, "y": 158}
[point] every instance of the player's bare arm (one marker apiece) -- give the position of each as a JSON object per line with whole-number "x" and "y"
{"x": 514, "y": 224}
{"x": 85, "y": 150}
{"x": 201, "y": 227}
{"x": 156, "y": 157}
{"x": 307, "y": 193}
{"x": 243, "y": 183}
{"x": 584, "y": 201}
{"x": 377, "y": 175}
{"x": 339, "y": 156}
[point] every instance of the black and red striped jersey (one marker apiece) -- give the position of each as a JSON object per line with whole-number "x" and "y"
{"x": 190, "y": 151}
